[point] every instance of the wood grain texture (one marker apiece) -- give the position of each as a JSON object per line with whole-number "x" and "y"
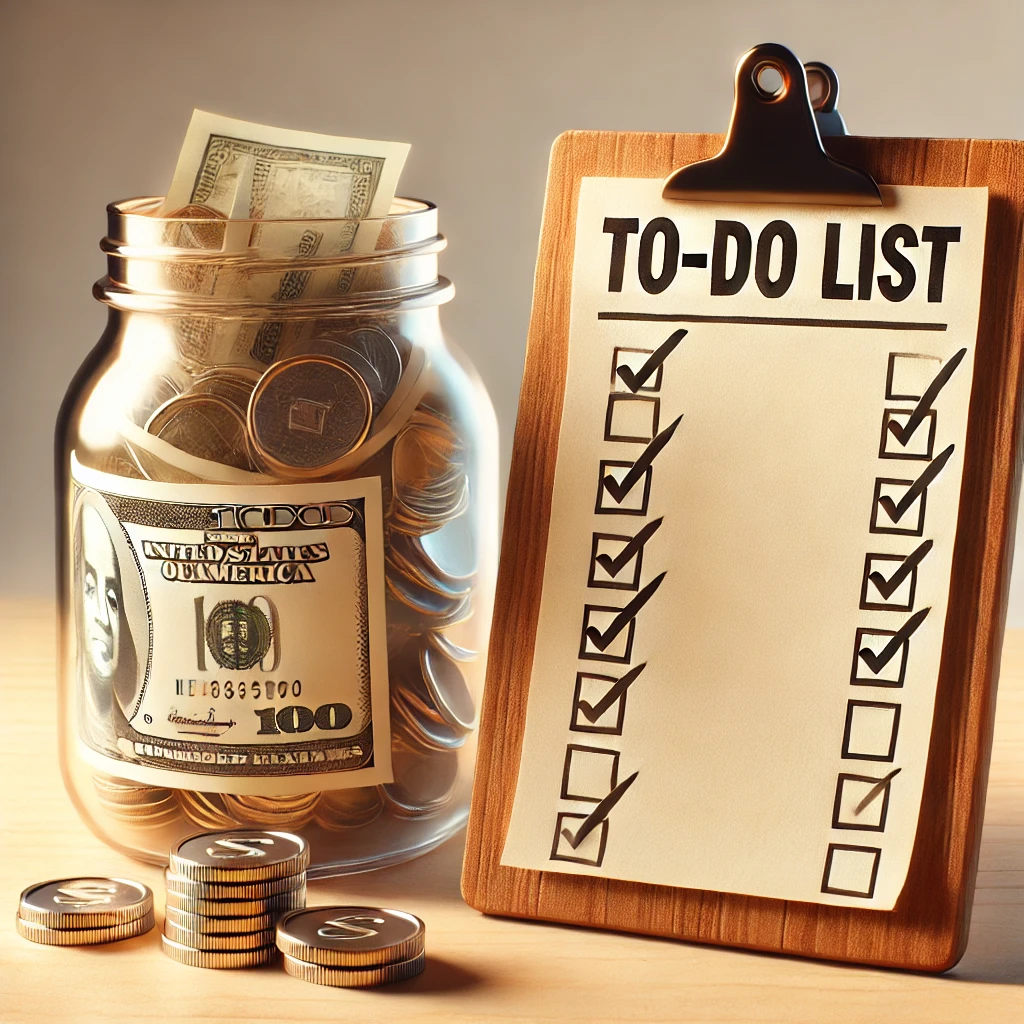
{"x": 928, "y": 928}
{"x": 480, "y": 969}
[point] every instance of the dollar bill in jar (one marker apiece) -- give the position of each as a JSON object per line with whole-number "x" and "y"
{"x": 232, "y": 639}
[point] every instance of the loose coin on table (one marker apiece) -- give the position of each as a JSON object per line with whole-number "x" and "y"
{"x": 222, "y": 959}
{"x": 87, "y": 902}
{"x": 307, "y": 412}
{"x": 351, "y": 947}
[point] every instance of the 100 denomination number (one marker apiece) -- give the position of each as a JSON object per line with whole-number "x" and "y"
{"x": 297, "y": 718}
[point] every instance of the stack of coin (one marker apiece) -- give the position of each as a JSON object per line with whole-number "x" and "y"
{"x": 225, "y": 890}
{"x": 84, "y": 911}
{"x": 351, "y": 947}
{"x": 136, "y": 804}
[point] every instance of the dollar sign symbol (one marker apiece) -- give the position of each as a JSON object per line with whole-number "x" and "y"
{"x": 341, "y": 928}
{"x": 84, "y": 894}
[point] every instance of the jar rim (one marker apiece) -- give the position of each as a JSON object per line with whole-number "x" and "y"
{"x": 142, "y": 208}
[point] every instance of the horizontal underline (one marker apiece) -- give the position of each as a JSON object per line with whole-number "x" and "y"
{"x": 777, "y": 321}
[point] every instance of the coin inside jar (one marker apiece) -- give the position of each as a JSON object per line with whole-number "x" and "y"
{"x": 448, "y": 689}
{"x": 205, "y": 426}
{"x": 382, "y": 353}
{"x": 308, "y": 412}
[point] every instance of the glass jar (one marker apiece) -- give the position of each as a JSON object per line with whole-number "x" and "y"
{"x": 277, "y": 516}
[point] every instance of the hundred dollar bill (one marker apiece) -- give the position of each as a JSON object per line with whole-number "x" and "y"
{"x": 249, "y": 172}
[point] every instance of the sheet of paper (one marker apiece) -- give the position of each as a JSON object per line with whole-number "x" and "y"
{"x": 752, "y": 528}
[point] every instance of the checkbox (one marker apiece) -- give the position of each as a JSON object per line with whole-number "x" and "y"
{"x": 614, "y": 576}
{"x": 851, "y": 870}
{"x": 870, "y": 645}
{"x": 634, "y": 359}
{"x": 862, "y": 802}
{"x": 908, "y": 522}
{"x": 620, "y": 649}
{"x": 632, "y": 418}
{"x": 593, "y": 690}
{"x": 636, "y": 499}
{"x": 909, "y": 375}
{"x": 590, "y": 851}
{"x": 888, "y": 585}
{"x": 589, "y": 773}
{"x": 871, "y": 730}
{"x": 919, "y": 446}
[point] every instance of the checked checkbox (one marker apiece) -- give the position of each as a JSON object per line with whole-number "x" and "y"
{"x": 599, "y": 703}
{"x": 616, "y": 561}
{"x": 899, "y": 505}
{"x": 590, "y": 850}
{"x": 913, "y": 442}
{"x": 890, "y": 581}
{"x": 880, "y": 655}
{"x": 862, "y": 801}
{"x": 608, "y": 632}
{"x": 636, "y": 499}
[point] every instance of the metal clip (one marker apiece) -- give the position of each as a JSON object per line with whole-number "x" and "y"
{"x": 773, "y": 151}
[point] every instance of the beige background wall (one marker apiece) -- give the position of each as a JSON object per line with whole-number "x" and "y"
{"x": 97, "y": 94}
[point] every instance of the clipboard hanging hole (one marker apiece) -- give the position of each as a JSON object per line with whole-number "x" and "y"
{"x": 770, "y": 81}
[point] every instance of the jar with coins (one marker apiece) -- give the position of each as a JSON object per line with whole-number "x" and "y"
{"x": 277, "y": 504}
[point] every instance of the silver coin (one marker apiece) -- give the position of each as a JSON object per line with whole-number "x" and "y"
{"x": 448, "y": 689}
{"x": 239, "y": 855}
{"x": 450, "y": 649}
{"x": 451, "y": 549}
{"x": 345, "y": 936}
{"x": 378, "y": 347}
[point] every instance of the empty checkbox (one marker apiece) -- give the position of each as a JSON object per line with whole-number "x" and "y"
{"x": 851, "y": 870}
{"x": 909, "y": 375}
{"x": 871, "y": 730}
{"x": 631, "y": 418}
{"x": 589, "y": 773}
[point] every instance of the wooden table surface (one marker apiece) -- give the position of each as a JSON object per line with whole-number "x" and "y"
{"x": 479, "y": 969}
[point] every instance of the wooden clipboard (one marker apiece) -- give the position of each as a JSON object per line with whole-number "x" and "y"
{"x": 928, "y": 928}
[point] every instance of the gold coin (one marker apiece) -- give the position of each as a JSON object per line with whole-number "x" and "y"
{"x": 183, "y": 886}
{"x": 236, "y": 908}
{"x": 222, "y": 959}
{"x": 289, "y": 812}
{"x": 88, "y": 902}
{"x": 356, "y": 977}
{"x": 340, "y": 809}
{"x": 213, "y": 941}
{"x": 240, "y": 855}
{"x": 206, "y": 809}
{"x": 351, "y": 937}
{"x": 204, "y": 426}
{"x": 206, "y": 925}
{"x": 308, "y": 412}
{"x": 83, "y": 936}
{"x": 206, "y": 233}
{"x": 116, "y": 791}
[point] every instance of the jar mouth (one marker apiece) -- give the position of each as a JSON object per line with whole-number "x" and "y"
{"x": 145, "y": 208}
{"x": 217, "y": 265}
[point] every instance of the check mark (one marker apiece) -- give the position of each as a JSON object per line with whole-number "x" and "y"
{"x": 635, "y": 381}
{"x": 598, "y": 814}
{"x": 876, "y": 662}
{"x": 903, "y": 434}
{"x": 896, "y": 510}
{"x": 603, "y": 640}
{"x": 619, "y": 490}
{"x": 876, "y": 790}
{"x": 594, "y": 711}
{"x": 613, "y": 565}
{"x": 888, "y": 587}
